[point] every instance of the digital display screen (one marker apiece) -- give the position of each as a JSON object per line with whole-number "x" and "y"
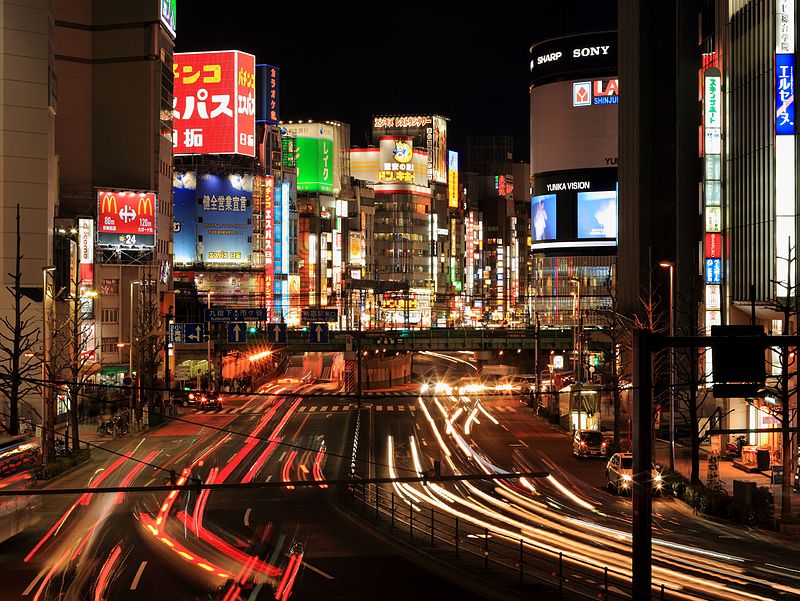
{"x": 543, "y": 217}
{"x": 597, "y": 214}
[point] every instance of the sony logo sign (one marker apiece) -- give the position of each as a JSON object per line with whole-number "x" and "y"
{"x": 590, "y": 51}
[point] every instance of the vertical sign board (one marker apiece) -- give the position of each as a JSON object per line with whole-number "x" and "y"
{"x": 452, "y": 179}
{"x": 215, "y": 106}
{"x": 184, "y": 217}
{"x": 268, "y": 97}
{"x": 269, "y": 251}
{"x": 784, "y": 94}
{"x": 225, "y": 211}
{"x": 126, "y": 219}
{"x": 86, "y": 251}
{"x": 712, "y": 195}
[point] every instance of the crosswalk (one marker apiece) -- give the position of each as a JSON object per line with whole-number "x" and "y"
{"x": 318, "y": 408}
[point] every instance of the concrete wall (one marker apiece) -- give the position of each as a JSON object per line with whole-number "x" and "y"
{"x": 385, "y": 373}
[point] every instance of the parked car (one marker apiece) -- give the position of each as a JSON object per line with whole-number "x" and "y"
{"x": 619, "y": 474}
{"x": 588, "y": 443}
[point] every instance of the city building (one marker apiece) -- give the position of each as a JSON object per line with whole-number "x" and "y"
{"x": 574, "y": 96}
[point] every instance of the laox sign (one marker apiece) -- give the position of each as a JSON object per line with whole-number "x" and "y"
{"x": 587, "y": 93}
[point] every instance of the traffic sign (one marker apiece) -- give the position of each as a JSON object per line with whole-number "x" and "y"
{"x": 254, "y": 314}
{"x": 319, "y": 333}
{"x": 237, "y": 331}
{"x": 276, "y": 332}
{"x": 313, "y": 315}
{"x": 127, "y": 390}
{"x": 194, "y": 333}
{"x": 176, "y": 333}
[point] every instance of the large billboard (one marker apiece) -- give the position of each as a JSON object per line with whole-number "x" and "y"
{"x": 167, "y": 15}
{"x": 126, "y": 219}
{"x": 224, "y": 218}
{"x": 184, "y": 217}
{"x": 543, "y": 217}
{"x": 315, "y": 154}
{"x": 452, "y": 179}
{"x": 597, "y": 214}
{"x": 427, "y": 131}
{"x": 215, "y": 105}
{"x": 396, "y": 160}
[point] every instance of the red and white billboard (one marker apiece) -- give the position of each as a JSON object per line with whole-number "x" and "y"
{"x": 126, "y": 219}
{"x": 214, "y": 110}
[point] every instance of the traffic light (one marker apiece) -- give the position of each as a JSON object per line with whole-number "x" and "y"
{"x": 252, "y": 330}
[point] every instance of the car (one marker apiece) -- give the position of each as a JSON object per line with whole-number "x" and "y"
{"x": 210, "y": 401}
{"x": 186, "y": 398}
{"x": 588, "y": 443}
{"x": 619, "y": 474}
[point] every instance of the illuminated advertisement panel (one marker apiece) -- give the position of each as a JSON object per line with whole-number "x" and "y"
{"x": 269, "y": 247}
{"x": 214, "y": 108}
{"x": 126, "y": 219}
{"x": 543, "y": 217}
{"x": 396, "y": 160}
{"x": 268, "y": 107}
{"x": 452, "y": 179}
{"x": 314, "y": 157}
{"x": 184, "y": 217}
{"x": 597, "y": 214}
{"x": 224, "y": 218}
{"x": 86, "y": 251}
{"x": 713, "y": 271}
{"x": 168, "y": 15}
{"x": 713, "y": 245}
{"x": 427, "y": 131}
{"x": 784, "y": 94}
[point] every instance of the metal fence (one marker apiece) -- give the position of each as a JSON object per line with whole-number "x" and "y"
{"x": 524, "y": 562}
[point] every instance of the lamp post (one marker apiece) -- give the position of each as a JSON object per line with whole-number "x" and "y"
{"x": 671, "y": 266}
{"x": 45, "y": 357}
{"x": 578, "y": 329}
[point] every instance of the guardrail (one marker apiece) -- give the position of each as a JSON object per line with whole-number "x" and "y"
{"x": 522, "y": 560}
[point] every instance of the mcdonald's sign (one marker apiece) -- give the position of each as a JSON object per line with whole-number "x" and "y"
{"x": 126, "y": 219}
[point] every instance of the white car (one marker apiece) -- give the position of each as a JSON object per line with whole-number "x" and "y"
{"x": 619, "y": 474}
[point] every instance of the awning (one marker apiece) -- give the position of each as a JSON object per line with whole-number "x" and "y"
{"x": 110, "y": 370}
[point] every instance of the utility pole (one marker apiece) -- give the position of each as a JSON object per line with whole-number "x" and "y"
{"x": 168, "y": 318}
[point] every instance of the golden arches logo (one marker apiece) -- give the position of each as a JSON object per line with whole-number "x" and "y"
{"x": 109, "y": 204}
{"x": 145, "y": 206}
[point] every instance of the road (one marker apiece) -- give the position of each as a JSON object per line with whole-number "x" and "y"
{"x": 570, "y": 511}
{"x": 220, "y": 545}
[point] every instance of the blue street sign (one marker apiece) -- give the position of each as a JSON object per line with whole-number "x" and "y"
{"x": 176, "y": 333}
{"x": 218, "y": 315}
{"x": 313, "y": 315}
{"x": 319, "y": 333}
{"x": 193, "y": 333}
{"x": 237, "y": 331}
{"x": 276, "y": 332}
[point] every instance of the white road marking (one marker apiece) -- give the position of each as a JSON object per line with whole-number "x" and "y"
{"x": 504, "y": 428}
{"x": 324, "y": 408}
{"x": 401, "y": 407}
{"x": 523, "y": 444}
{"x": 136, "y": 578}
{"x": 312, "y": 408}
{"x": 318, "y": 571}
{"x": 336, "y": 407}
{"x": 389, "y": 407}
{"x": 247, "y": 516}
{"x": 28, "y": 590}
{"x": 282, "y": 456}
{"x": 270, "y": 476}
{"x": 378, "y": 407}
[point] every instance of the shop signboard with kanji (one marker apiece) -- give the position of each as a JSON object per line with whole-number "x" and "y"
{"x": 215, "y": 106}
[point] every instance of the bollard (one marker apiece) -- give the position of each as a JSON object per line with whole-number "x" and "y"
{"x": 432, "y": 525}
{"x": 605, "y": 583}
{"x": 457, "y": 541}
{"x": 560, "y": 574}
{"x": 377, "y": 501}
{"x": 411, "y": 521}
{"x": 521, "y": 562}
{"x": 486, "y": 548}
{"x": 393, "y": 511}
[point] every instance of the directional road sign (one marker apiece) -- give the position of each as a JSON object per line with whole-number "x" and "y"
{"x": 276, "y": 332}
{"x": 236, "y": 314}
{"x": 313, "y": 315}
{"x": 319, "y": 333}
{"x": 176, "y": 333}
{"x": 194, "y": 333}
{"x": 237, "y": 331}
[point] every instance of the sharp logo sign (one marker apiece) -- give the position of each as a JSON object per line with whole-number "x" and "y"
{"x": 600, "y": 91}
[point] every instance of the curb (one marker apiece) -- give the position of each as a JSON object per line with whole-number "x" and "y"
{"x": 64, "y": 474}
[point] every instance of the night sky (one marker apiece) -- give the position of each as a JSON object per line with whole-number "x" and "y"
{"x": 347, "y": 66}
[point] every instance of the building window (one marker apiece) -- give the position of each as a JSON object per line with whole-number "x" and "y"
{"x": 109, "y": 287}
{"x": 109, "y": 315}
{"x": 109, "y": 345}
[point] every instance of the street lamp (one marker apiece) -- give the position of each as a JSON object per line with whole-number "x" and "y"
{"x": 208, "y": 342}
{"x": 579, "y": 329}
{"x": 130, "y": 330}
{"x": 671, "y": 266}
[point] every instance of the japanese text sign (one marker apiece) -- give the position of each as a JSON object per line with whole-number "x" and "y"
{"x": 784, "y": 94}
{"x": 126, "y": 219}
{"x": 214, "y": 106}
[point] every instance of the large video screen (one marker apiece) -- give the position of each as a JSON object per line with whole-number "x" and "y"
{"x": 543, "y": 217}
{"x": 597, "y": 214}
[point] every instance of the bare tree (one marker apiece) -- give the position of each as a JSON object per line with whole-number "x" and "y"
{"x": 147, "y": 334}
{"x": 616, "y": 329}
{"x": 781, "y": 387}
{"x": 73, "y": 351}
{"x": 19, "y": 338}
